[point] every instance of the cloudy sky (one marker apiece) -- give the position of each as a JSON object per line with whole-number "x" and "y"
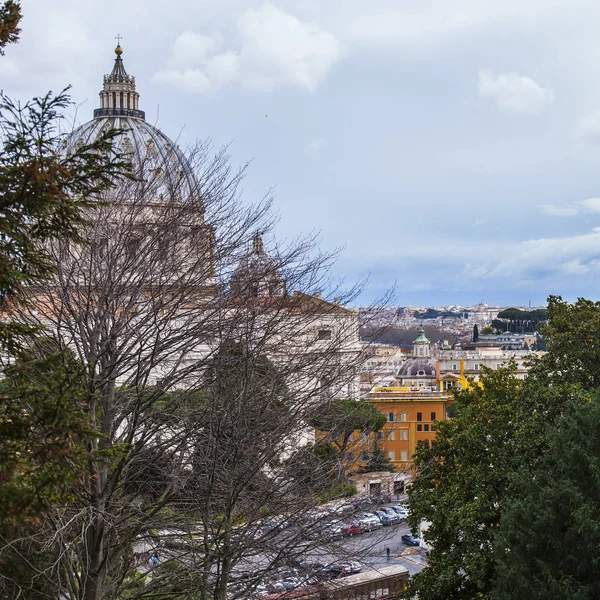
{"x": 451, "y": 146}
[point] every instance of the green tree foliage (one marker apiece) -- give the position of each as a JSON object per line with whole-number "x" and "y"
{"x": 464, "y": 479}
{"x": 547, "y": 545}
{"x": 516, "y": 314}
{"x": 314, "y": 469}
{"x": 487, "y": 330}
{"x": 44, "y": 191}
{"x": 44, "y": 194}
{"x": 573, "y": 339}
{"x": 43, "y": 431}
{"x": 500, "y": 326}
{"x": 340, "y": 418}
{"x": 10, "y": 16}
{"x": 377, "y": 461}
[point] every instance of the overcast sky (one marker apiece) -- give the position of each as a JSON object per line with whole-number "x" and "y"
{"x": 451, "y": 146}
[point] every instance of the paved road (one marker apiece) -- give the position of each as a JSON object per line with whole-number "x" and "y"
{"x": 369, "y": 549}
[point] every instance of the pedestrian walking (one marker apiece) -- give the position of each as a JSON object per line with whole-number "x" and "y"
{"x": 388, "y": 554}
{"x": 155, "y": 560}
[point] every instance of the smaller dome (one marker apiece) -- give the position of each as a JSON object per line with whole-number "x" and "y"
{"x": 417, "y": 367}
{"x": 257, "y": 274}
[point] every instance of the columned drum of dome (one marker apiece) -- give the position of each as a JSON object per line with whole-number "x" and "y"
{"x": 153, "y": 155}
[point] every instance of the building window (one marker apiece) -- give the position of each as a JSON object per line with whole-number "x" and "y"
{"x": 324, "y": 334}
{"x": 392, "y": 455}
{"x": 379, "y": 435}
{"x": 425, "y": 427}
{"x": 403, "y": 417}
{"x": 363, "y": 436}
{"x": 476, "y": 366}
{"x": 433, "y": 416}
{"x": 404, "y": 455}
{"x": 404, "y": 435}
{"x": 350, "y": 455}
{"x": 419, "y": 416}
{"x": 419, "y": 427}
{"x": 391, "y": 417}
{"x": 455, "y": 367}
{"x": 391, "y": 436}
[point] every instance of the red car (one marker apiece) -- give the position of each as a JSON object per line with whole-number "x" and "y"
{"x": 352, "y": 529}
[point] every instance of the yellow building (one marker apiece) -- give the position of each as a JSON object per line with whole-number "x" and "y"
{"x": 411, "y": 416}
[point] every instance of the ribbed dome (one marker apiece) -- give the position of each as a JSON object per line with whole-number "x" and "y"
{"x": 154, "y": 156}
{"x": 151, "y": 152}
{"x": 417, "y": 367}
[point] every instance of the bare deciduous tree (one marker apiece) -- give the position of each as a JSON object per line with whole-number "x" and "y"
{"x": 204, "y": 361}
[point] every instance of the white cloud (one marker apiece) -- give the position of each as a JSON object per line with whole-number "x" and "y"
{"x": 273, "y": 48}
{"x": 589, "y": 127}
{"x": 412, "y": 23}
{"x": 316, "y": 145}
{"x": 479, "y": 222}
{"x": 550, "y": 257}
{"x": 513, "y": 92}
{"x": 589, "y": 205}
{"x": 559, "y": 211}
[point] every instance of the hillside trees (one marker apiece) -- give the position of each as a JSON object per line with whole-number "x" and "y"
{"x": 485, "y": 456}
{"x": 549, "y": 531}
{"x": 465, "y": 479}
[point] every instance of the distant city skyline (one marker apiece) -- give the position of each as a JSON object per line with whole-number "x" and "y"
{"x": 451, "y": 146}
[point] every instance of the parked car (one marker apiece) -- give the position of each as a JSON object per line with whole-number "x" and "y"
{"x": 361, "y": 503}
{"x": 291, "y": 583}
{"x": 334, "y": 571}
{"x": 310, "y": 567}
{"x": 332, "y": 531}
{"x": 383, "y": 517}
{"x": 401, "y": 511}
{"x": 369, "y": 521}
{"x": 410, "y": 540}
{"x": 392, "y": 514}
{"x": 353, "y": 528}
{"x": 353, "y": 566}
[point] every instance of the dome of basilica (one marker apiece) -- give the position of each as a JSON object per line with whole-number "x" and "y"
{"x": 417, "y": 367}
{"x": 153, "y": 154}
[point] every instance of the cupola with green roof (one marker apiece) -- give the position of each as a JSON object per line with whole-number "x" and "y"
{"x": 421, "y": 345}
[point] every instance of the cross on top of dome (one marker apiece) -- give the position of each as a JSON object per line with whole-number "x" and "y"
{"x": 119, "y": 97}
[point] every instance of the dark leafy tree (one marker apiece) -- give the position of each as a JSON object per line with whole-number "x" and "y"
{"x": 549, "y": 533}
{"x": 475, "y": 333}
{"x": 464, "y": 480}
{"x": 44, "y": 192}
{"x": 340, "y": 419}
{"x": 10, "y": 16}
{"x": 573, "y": 339}
{"x": 377, "y": 461}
